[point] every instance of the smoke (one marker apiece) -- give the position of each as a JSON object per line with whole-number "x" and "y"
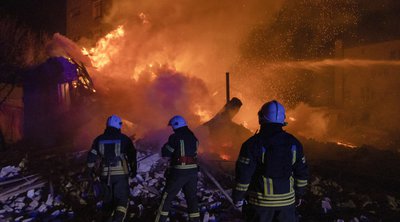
{"x": 309, "y": 122}
{"x": 171, "y": 59}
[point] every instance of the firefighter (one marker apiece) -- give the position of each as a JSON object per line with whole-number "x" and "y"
{"x": 271, "y": 170}
{"x": 117, "y": 156}
{"x": 181, "y": 148}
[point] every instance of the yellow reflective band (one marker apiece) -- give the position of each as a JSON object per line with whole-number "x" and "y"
{"x": 126, "y": 209}
{"x": 164, "y": 213}
{"x": 262, "y": 203}
{"x": 117, "y": 149}
{"x": 301, "y": 183}
{"x": 121, "y": 209}
{"x": 190, "y": 166}
{"x": 293, "y": 154}
{"x": 119, "y": 172}
{"x": 124, "y": 165}
{"x": 182, "y": 147}
{"x": 194, "y": 215}
{"x": 271, "y": 201}
{"x": 265, "y": 186}
{"x": 94, "y": 151}
{"x": 244, "y": 160}
{"x": 160, "y": 212}
{"x": 90, "y": 165}
{"x": 272, "y": 196}
{"x": 271, "y": 186}
{"x": 113, "y": 168}
{"x": 291, "y": 183}
{"x": 242, "y": 187}
{"x": 169, "y": 148}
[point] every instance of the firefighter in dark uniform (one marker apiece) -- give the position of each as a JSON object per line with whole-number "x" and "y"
{"x": 117, "y": 156}
{"x": 271, "y": 171}
{"x": 181, "y": 148}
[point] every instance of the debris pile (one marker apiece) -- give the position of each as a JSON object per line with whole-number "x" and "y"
{"x": 63, "y": 191}
{"x": 53, "y": 185}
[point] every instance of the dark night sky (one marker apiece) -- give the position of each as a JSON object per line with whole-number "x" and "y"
{"x": 302, "y": 29}
{"x": 38, "y": 15}
{"x": 305, "y": 28}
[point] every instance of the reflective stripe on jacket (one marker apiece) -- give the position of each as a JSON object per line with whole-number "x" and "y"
{"x": 272, "y": 168}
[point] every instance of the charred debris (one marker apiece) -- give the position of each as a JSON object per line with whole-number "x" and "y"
{"x": 51, "y": 184}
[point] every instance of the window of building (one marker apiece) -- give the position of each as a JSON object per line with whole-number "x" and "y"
{"x": 97, "y": 9}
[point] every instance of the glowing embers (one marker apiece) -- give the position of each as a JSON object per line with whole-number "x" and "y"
{"x": 348, "y": 145}
{"x": 105, "y": 48}
{"x": 224, "y": 157}
{"x": 203, "y": 114}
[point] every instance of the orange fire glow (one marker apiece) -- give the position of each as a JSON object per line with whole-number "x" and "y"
{"x": 225, "y": 157}
{"x": 105, "y": 48}
{"x": 204, "y": 115}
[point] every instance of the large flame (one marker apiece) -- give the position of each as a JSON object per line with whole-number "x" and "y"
{"x": 105, "y": 49}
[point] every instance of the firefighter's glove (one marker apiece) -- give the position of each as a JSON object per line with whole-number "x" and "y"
{"x": 299, "y": 202}
{"x": 239, "y": 204}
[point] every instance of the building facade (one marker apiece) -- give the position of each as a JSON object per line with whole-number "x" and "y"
{"x": 366, "y": 86}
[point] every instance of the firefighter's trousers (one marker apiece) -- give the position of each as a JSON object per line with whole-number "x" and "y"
{"x": 177, "y": 179}
{"x": 254, "y": 213}
{"x": 116, "y": 205}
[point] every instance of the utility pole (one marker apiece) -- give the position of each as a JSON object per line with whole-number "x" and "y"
{"x": 227, "y": 88}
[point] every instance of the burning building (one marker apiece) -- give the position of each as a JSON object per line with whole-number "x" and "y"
{"x": 43, "y": 107}
{"x": 54, "y": 94}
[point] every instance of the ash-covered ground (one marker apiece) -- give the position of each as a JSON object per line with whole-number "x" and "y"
{"x": 360, "y": 184}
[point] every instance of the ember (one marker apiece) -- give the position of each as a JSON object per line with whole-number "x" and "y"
{"x": 225, "y": 157}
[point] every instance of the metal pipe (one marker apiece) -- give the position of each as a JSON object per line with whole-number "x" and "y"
{"x": 227, "y": 88}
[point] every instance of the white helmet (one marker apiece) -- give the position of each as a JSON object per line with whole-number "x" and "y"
{"x": 114, "y": 121}
{"x": 272, "y": 112}
{"x": 177, "y": 122}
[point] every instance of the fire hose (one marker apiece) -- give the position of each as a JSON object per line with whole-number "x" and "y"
{"x": 212, "y": 178}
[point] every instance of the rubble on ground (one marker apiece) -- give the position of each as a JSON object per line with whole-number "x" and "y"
{"x": 55, "y": 187}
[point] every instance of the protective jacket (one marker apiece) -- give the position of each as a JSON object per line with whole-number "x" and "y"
{"x": 271, "y": 167}
{"x": 116, "y": 152}
{"x": 182, "y": 149}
